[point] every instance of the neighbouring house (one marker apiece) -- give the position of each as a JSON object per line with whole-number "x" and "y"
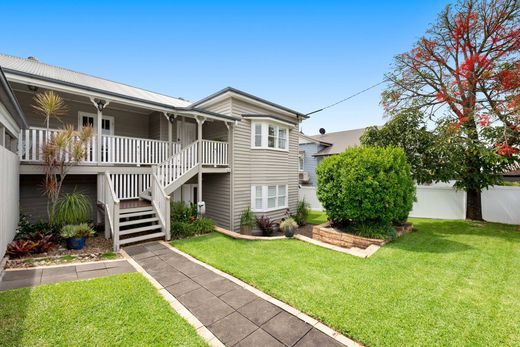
{"x": 312, "y": 149}
{"x": 12, "y": 120}
{"x": 227, "y": 152}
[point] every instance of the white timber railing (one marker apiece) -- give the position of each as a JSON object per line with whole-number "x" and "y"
{"x": 177, "y": 165}
{"x": 130, "y": 186}
{"x": 111, "y": 212}
{"x": 131, "y": 150}
{"x": 31, "y": 141}
{"x": 161, "y": 204}
{"x": 214, "y": 153}
{"x": 114, "y": 149}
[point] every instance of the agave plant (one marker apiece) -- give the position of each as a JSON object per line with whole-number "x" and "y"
{"x": 49, "y": 105}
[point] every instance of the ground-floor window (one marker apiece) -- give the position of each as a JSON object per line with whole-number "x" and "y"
{"x": 268, "y": 197}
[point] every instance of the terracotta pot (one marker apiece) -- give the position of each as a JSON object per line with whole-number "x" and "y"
{"x": 245, "y": 230}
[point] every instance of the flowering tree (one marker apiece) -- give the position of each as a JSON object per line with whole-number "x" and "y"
{"x": 464, "y": 75}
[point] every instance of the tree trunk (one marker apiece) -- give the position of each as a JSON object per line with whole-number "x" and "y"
{"x": 473, "y": 205}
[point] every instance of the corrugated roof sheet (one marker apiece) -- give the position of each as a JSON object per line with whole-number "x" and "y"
{"x": 340, "y": 140}
{"x": 37, "y": 68}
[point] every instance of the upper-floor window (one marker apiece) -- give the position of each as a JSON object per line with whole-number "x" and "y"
{"x": 269, "y": 135}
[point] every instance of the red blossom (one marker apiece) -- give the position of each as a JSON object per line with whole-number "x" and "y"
{"x": 484, "y": 120}
{"x": 506, "y": 150}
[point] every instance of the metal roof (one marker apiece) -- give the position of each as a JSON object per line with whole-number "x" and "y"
{"x": 8, "y": 98}
{"x": 37, "y": 69}
{"x": 250, "y": 96}
{"x": 340, "y": 140}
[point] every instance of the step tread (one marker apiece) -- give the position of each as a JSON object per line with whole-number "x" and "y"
{"x": 140, "y": 229}
{"x": 135, "y": 209}
{"x": 138, "y": 221}
{"x": 141, "y": 238}
{"x": 136, "y": 214}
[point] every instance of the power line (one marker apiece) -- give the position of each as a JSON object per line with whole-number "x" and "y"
{"x": 347, "y": 98}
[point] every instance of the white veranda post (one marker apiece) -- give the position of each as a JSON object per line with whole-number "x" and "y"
{"x": 200, "y": 121}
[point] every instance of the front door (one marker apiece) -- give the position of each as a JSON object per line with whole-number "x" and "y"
{"x": 107, "y": 128}
{"x": 186, "y": 132}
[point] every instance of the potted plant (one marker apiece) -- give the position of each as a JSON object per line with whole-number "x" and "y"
{"x": 288, "y": 226}
{"x": 76, "y": 235}
{"x": 247, "y": 221}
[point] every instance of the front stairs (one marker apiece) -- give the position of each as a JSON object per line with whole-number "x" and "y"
{"x": 139, "y": 224}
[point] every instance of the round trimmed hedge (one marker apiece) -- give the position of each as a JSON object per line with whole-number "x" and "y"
{"x": 366, "y": 185}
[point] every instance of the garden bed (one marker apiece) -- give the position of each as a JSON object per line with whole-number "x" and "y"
{"x": 96, "y": 248}
{"x": 326, "y": 233}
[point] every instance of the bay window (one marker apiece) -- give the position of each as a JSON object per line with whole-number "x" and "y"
{"x": 268, "y": 197}
{"x": 269, "y": 136}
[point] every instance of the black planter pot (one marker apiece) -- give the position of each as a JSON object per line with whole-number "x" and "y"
{"x": 289, "y": 232}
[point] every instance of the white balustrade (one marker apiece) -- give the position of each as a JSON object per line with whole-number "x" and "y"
{"x": 214, "y": 153}
{"x": 130, "y": 186}
{"x": 177, "y": 165}
{"x": 161, "y": 204}
{"x": 111, "y": 211}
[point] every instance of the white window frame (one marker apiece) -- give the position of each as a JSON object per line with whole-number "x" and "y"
{"x": 264, "y": 197}
{"x": 301, "y": 167}
{"x": 265, "y": 135}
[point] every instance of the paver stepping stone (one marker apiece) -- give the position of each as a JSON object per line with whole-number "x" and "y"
{"x": 286, "y": 328}
{"x": 232, "y": 328}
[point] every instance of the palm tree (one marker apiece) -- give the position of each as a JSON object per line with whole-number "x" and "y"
{"x": 49, "y": 105}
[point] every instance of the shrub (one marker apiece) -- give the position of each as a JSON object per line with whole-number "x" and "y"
{"x": 39, "y": 243}
{"x": 302, "y": 212}
{"x": 184, "y": 221}
{"x": 72, "y": 208}
{"x": 288, "y": 224}
{"x": 179, "y": 211}
{"x": 247, "y": 218}
{"x": 265, "y": 224}
{"x": 28, "y": 231}
{"x": 366, "y": 185}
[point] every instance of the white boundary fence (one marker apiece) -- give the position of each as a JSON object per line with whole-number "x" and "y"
{"x": 9, "y": 191}
{"x": 500, "y": 204}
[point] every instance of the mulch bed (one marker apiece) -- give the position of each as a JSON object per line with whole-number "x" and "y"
{"x": 96, "y": 248}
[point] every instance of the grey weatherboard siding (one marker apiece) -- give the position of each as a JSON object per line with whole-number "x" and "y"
{"x": 258, "y": 166}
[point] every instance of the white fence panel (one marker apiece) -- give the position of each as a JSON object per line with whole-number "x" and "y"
{"x": 309, "y": 194}
{"x": 439, "y": 201}
{"x": 501, "y": 204}
{"x": 9, "y": 191}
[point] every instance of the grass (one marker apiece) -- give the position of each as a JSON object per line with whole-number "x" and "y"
{"x": 122, "y": 310}
{"x": 109, "y": 255}
{"x": 451, "y": 283}
{"x": 316, "y": 217}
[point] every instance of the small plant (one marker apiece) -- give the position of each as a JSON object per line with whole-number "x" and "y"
{"x": 43, "y": 242}
{"x": 20, "y": 248}
{"x": 302, "y": 212}
{"x": 288, "y": 225}
{"x": 265, "y": 224}
{"x": 72, "y": 208}
{"x": 247, "y": 221}
{"x": 76, "y": 235}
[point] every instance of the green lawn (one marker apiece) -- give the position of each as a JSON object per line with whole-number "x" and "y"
{"x": 451, "y": 283}
{"x": 122, "y": 310}
{"x": 316, "y": 217}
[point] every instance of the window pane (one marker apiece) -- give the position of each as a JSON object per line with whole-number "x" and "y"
{"x": 271, "y": 202}
{"x": 258, "y": 192}
{"x": 258, "y": 204}
{"x": 258, "y": 135}
{"x": 271, "y": 191}
{"x": 271, "y": 137}
{"x": 281, "y": 190}
{"x": 281, "y": 201}
{"x": 300, "y": 164}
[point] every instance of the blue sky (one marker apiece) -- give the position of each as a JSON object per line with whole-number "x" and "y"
{"x": 302, "y": 54}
